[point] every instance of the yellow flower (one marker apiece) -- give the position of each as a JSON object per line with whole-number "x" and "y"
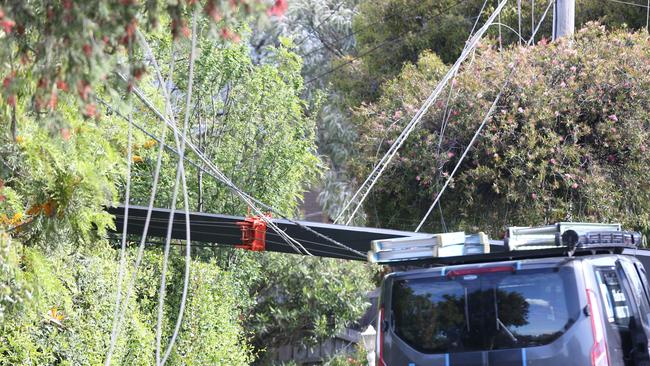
{"x": 137, "y": 159}
{"x": 17, "y": 218}
{"x": 149, "y": 143}
{"x": 55, "y": 316}
{"x": 19, "y": 139}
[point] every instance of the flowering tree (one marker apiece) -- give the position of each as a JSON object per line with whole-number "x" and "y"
{"x": 568, "y": 140}
{"x": 74, "y": 47}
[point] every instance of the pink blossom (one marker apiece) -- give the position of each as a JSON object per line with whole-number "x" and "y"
{"x": 450, "y": 154}
{"x": 552, "y": 161}
{"x": 520, "y": 110}
{"x": 533, "y": 196}
{"x": 417, "y": 177}
{"x": 278, "y": 8}
{"x": 574, "y": 185}
{"x": 613, "y": 117}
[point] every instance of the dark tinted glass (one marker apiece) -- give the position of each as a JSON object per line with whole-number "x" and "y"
{"x": 484, "y": 311}
{"x": 616, "y": 306}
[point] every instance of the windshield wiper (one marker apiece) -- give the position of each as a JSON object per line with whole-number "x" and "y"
{"x": 500, "y": 325}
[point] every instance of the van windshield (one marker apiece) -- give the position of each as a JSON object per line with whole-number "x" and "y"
{"x": 488, "y": 311}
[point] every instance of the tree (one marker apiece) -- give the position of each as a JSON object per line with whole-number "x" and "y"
{"x": 60, "y": 169}
{"x": 398, "y": 31}
{"x": 568, "y": 139}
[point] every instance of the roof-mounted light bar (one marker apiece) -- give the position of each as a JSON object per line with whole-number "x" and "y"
{"x": 557, "y": 235}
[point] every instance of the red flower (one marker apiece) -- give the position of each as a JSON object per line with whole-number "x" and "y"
{"x": 65, "y": 133}
{"x": 90, "y": 110}
{"x": 62, "y": 85}
{"x": 11, "y": 100}
{"x": 84, "y": 89}
{"x": 53, "y": 99}
{"x": 7, "y": 25}
{"x": 278, "y": 9}
{"x": 211, "y": 10}
{"x": 88, "y": 50}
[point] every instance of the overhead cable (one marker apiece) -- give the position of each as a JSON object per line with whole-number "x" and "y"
{"x": 395, "y": 40}
{"x": 362, "y": 193}
{"x": 217, "y": 173}
{"x": 487, "y": 117}
{"x": 154, "y": 188}
{"x": 180, "y": 175}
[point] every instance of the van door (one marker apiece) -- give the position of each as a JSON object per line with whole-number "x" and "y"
{"x": 640, "y": 311}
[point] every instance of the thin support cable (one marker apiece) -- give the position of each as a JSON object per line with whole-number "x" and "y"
{"x": 514, "y": 31}
{"x": 447, "y": 112}
{"x": 181, "y": 168}
{"x": 212, "y": 175}
{"x": 487, "y": 117}
{"x": 632, "y": 4}
{"x": 140, "y": 254}
{"x": 519, "y": 19}
{"x": 647, "y": 17}
{"x": 180, "y": 176}
{"x": 127, "y": 198}
{"x": 219, "y": 175}
{"x": 532, "y": 20}
{"x": 500, "y": 36}
{"x": 373, "y": 177}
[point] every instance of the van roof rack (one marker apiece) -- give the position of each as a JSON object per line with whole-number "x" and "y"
{"x": 563, "y": 238}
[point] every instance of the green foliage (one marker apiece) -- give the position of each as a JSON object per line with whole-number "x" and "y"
{"x": 249, "y": 120}
{"x": 398, "y": 31}
{"x": 358, "y": 357}
{"x": 67, "y": 318}
{"x": 302, "y": 300}
{"x": 42, "y": 59}
{"x": 568, "y": 140}
{"x": 58, "y": 181}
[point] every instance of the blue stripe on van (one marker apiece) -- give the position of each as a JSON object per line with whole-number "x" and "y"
{"x": 523, "y": 356}
{"x": 518, "y": 265}
{"x": 446, "y": 359}
{"x": 443, "y": 272}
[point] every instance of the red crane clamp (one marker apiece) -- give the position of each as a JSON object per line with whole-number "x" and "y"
{"x": 253, "y": 233}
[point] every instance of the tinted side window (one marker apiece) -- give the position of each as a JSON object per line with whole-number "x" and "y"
{"x": 638, "y": 290}
{"x": 616, "y": 305}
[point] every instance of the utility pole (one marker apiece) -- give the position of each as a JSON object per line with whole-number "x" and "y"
{"x": 564, "y": 13}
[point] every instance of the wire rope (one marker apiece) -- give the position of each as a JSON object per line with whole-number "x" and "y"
{"x": 483, "y": 123}
{"x": 379, "y": 168}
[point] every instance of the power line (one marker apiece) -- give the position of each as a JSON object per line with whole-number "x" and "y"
{"x": 334, "y": 11}
{"x": 628, "y": 3}
{"x": 373, "y": 177}
{"x": 386, "y": 42}
{"x": 209, "y": 173}
{"x": 215, "y": 173}
{"x": 487, "y": 117}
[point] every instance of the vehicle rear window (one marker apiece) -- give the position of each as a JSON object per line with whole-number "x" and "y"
{"x": 488, "y": 311}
